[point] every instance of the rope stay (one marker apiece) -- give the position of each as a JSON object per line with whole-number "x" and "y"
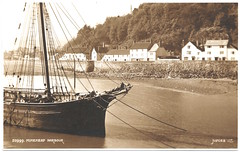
{"x": 131, "y": 125}
{"x": 139, "y": 130}
{"x": 151, "y": 116}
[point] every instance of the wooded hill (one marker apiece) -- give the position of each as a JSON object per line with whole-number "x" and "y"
{"x": 171, "y": 24}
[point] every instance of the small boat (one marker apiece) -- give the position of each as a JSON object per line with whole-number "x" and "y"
{"x": 54, "y": 107}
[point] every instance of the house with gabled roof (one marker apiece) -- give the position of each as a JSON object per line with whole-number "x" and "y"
{"x": 192, "y": 52}
{"x": 214, "y": 50}
{"x": 98, "y": 53}
{"x": 139, "y": 51}
{"x": 117, "y": 55}
{"x": 232, "y": 53}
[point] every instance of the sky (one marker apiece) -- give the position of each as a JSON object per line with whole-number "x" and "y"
{"x": 92, "y": 11}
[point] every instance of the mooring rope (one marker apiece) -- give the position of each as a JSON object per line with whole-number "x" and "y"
{"x": 130, "y": 124}
{"x": 139, "y": 130}
{"x": 151, "y": 116}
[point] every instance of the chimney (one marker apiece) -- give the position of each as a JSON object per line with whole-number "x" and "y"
{"x": 103, "y": 45}
{"x": 183, "y": 43}
{"x": 197, "y": 43}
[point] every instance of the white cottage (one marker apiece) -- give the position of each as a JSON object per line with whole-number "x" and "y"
{"x": 139, "y": 51}
{"x": 98, "y": 53}
{"x": 220, "y": 50}
{"x": 81, "y": 54}
{"x": 117, "y": 55}
{"x": 152, "y": 53}
{"x": 192, "y": 52}
{"x": 232, "y": 53}
{"x": 216, "y": 49}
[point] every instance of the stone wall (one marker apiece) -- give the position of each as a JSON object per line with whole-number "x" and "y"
{"x": 169, "y": 69}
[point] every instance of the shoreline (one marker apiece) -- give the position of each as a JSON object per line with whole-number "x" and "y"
{"x": 196, "y": 86}
{"x": 204, "y": 86}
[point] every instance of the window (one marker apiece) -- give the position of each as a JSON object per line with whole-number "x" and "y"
{"x": 232, "y": 58}
{"x": 224, "y": 58}
{"x": 208, "y": 52}
{"x": 203, "y": 59}
{"x": 221, "y": 52}
{"x": 209, "y": 46}
{"x": 221, "y": 46}
{"x": 185, "y": 58}
{"x": 188, "y": 52}
{"x": 233, "y": 52}
{"x": 189, "y": 46}
{"x": 198, "y": 53}
{"x": 209, "y": 59}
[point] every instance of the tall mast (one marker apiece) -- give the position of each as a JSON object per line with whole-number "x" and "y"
{"x": 44, "y": 50}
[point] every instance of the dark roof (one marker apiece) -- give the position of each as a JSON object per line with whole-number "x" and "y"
{"x": 141, "y": 45}
{"x": 162, "y": 52}
{"x": 84, "y": 50}
{"x": 233, "y": 46}
{"x": 119, "y": 52}
{"x": 198, "y": 46}
{"x": 101, "y": 50}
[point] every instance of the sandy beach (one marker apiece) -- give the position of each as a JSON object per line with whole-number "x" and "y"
{"x": 199, "y": 86}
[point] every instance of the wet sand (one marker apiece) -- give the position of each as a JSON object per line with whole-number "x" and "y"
{"x": 199, "y": 86}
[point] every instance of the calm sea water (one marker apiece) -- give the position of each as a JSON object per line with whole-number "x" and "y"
{"x": 210, "y": 121}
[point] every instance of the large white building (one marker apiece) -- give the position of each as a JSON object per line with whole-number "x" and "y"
{"x": 214, "y": 50}
{"x": 81, "y": 54}
{"x": 117, "y": 55}
{"x": 139, "y": 51}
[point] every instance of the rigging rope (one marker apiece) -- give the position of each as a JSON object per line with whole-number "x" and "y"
{"x": 99, "y": 52}
{"x": 86, "y": 37}
{"x": 69, "y": 42}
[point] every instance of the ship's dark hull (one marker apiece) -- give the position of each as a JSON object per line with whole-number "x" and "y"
{"x": 83, "y": 117}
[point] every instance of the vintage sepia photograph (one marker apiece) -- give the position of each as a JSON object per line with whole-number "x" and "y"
{"x": 105, "y": 75}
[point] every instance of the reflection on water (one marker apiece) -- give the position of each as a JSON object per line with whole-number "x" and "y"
{"x": 207, "y": 118}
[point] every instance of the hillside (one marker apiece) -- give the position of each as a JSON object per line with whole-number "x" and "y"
{"x": 171, "y": 24}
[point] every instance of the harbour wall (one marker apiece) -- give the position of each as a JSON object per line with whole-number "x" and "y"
{"x": 157, "y": 69}
{"x": 168, "y": 69}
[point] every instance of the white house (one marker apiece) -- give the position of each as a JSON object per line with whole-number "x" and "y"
{"x": 192, "y": 52}
{"x": 79, "y": 53}
{"x": 232, "y": 53}
{"x": 216, "y": 49}
{"x": 117, "y": 55}
{"x": 139, "y": 51}
{"x": 152, "y": 53}
{"x": 72, "y": 56}
{"x": 94, "y": 55}
{"x": 98, "y": 53}
{"x": 220, "y": 50}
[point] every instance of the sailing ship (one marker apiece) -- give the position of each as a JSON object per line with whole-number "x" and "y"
{"x": 53, "y": 107}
